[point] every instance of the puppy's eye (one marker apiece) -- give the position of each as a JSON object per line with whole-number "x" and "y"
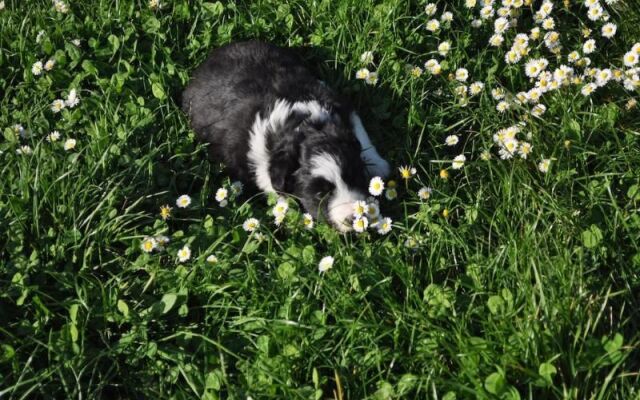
{"x": 321, "y": 186}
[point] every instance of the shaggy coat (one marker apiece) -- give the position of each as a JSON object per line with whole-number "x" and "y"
{"x": 275, "y": 125}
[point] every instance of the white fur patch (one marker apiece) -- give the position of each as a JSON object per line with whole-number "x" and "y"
{"x": 341, "y": 202}
{"x": 318, "y": 113}
{"x": 376, "y": 165}
{"x": 258, "y": 155}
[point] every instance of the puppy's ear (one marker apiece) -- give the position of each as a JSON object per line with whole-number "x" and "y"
{"x": 285, "y": 153}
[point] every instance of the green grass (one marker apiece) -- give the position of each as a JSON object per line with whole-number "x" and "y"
{"x": 528, "y": 289}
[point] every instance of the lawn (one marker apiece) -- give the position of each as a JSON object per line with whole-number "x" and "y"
{"x": 511, "y": 270}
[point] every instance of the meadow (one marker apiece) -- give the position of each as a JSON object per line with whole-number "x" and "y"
{"x": 509, "y": 267}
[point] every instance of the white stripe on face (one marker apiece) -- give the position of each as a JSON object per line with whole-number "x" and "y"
{"x": 258, "y": 155}
{"x": 340, "y": 206}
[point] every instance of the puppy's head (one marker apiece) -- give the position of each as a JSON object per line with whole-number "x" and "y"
{"x": 320, "y": 163}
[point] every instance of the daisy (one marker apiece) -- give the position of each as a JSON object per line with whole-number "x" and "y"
{"x": 359, "y": 208}
{"x": 496, "y": 40}
{"x": 360, "y": 224}
{"x": 502, "y": 106}
{"x": 69, "y": 144}
{"x": 407, "y": 172}
{"x": 165, "y": 212}
{"x": 462, "y": 74}
{"x": 237, "y": 187}
{"x": 307, "y": 221}
{"x": 154, "y": 4}
{"x": 50, "y": 64}
{"x": 501, "y": 25}
{"x": 603, "y": 77}
{"x": 39, "y": 36}
{"x": 475, "y": 88}
{"x": 212, "y": 259}
{"x": 416, "y": 72}
{"x": 148, "y": 244}
{"x": 366, "y": 58}
{"x": 251, "y": 224}
{"x": 458, "y": 161}
{"x": 72, "y": 99}
{"x": 36, "y": 68}
{"x": 512, "y": 57}
{"x": 630, "y": 59}
{"x": 430, "y": 9}
{"x": 444, "y": 174}
{"x": 532, "y": 68}
{"x": 534, "y": 34}
{"x": 325, "y": 264}
{"x": 573, "y": 57}
{"x": 373, "y": 210}
{"x": 376, "y": 186}
{"x": 57, "y": 106}
{"x": 543, "y": 166}
{"x": 486, "y": 12}
{"x": 372, "y": 78}
{"x": 183, "y": 201}
{"x": 525, "y": 149}
{"x": 609, "y": 30}
{"x": 60, "y": 6}
{"x": 443, "y": 48}
{"x": 184, "y": 253}
{"x": 595, "y": 12}
{"x": 476, "y": 23}
{"x": 76, "y": 42}
{"x": 279, "y": 219}
{"x": 548, "y": 24}
{"x": 53, "y": 136}
{"x": 433, "y": 66}
{"x": 461, "y": 90}
{"x": 452, "y": 140}
{"x": 162, "y": 241}
{"x": 280, "y": 209}
{"x": 552, "y": 39}
{"x": 485, "y": 155}
{"x": 433, "y": 25}
{"x": 390, "y": 193}
{"x": 504, "y": 12}
{"x": 589, "y": 46}
{"x": 446, "y": 17}
{"x": 497, "y": 93}
{"x": 25, "y": 150}
{"x": 424, "y": 193}
{"x": 221, "y": 194}
{"x": 470, "y": 3}
{"x": 538, "y": 110}
{"x": 588, "y": 89}
{"x": 510, "y": 145}
{"x": 362, "y": 73}
{"x": 384, "y": 226}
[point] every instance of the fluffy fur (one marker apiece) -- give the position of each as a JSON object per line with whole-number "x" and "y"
{"x": 273, "y": 124}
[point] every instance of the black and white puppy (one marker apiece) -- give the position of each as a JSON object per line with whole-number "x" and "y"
{"x": 274, "y": 124}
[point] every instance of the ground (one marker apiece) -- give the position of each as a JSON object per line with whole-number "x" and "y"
{"x": 510, "y": 273}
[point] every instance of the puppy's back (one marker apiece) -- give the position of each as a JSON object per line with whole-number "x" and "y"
{"x": 233, "y": 84}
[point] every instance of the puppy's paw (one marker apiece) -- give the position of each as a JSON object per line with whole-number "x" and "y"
{"x": 376, "y": 165}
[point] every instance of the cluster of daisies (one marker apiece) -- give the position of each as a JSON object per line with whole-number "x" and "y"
{"x": 72, "y": 99}
{"x": 20, "y": 132}
{"x": 223, "y": 194}
{"x": 370, "y": 77}
{"x": 577, "y": 70}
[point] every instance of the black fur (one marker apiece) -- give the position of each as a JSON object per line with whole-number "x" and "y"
{"x": 240, "y": 80}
